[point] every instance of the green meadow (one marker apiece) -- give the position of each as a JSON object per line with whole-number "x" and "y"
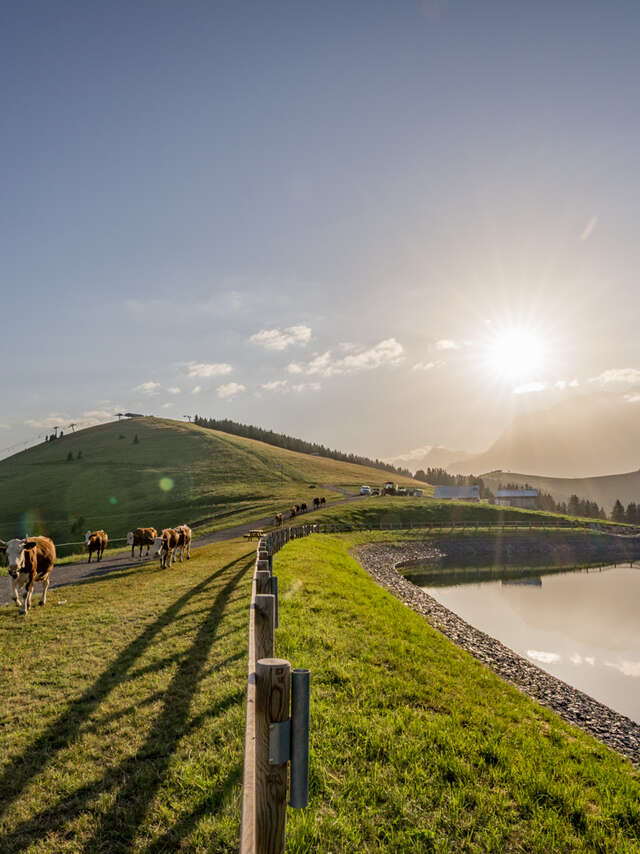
{"x": 123, "y": 728}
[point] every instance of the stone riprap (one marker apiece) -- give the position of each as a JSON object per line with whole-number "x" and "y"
{"x": 610, "y": 727}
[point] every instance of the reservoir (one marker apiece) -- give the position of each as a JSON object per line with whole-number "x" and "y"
{"x": 580, "y": 625}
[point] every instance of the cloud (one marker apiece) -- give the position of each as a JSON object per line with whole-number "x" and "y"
{"x": 617, "y": 376}
{"x": 196, "y": 389}
{"x": 426, "y": 366}
{"x": 4, "y": 426}
{"x": 98, "y": 415}
{"x": 229, "y": 390}
{"x": 578, "y": 659}
{"x": 55, "y": 419}
{"x": 447, "y": 344}
{"x": 207, "y": 369}
{"x": 173, "y": 389}
{"x": 387, "y": 352}
{"x": 627, "y": 668}
{"x": 563, "y": 384}
{"x": 284, "y": 385}
{"x": 150, "y": 387}
{"x": 528, "y": 388}
{"x": 274, "y": 339}
{"x": 632, "y": 398}
{"x": 543, "y": 657}
{"x": 167, "y": 405}
{"x": 588, "y": 229}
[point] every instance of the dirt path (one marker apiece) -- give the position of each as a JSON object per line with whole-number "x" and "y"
{"x": 74, "y": 573}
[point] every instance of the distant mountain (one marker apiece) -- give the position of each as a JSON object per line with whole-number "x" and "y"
{"x": 584, "y": 436}
{"x": 434, "y": 456}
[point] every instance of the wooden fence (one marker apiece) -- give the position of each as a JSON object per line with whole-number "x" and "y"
{"x": 274, "y": 737}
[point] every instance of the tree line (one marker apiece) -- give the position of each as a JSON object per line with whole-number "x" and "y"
{"x": 291, "y": 443}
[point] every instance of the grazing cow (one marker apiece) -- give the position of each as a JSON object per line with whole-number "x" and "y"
{"x": 30, "y": 560}
{"x": 141, "y": 537}
{"x": 96, "y": 541}
{"x": 292, "y": 512}
{"x": 184, "y": 541}
{"x": 165, "y": 545}
{"x": 316, "y": 502}
{"x": 279, "y": 520}
{"x": 303, "y": 507}
{"x": 322, "y": 500}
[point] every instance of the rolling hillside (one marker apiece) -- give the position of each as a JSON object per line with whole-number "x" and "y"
{"x": 175, "y": 472}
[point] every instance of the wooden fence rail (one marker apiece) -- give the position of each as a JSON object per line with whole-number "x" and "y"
{"x": 272, "y": 734}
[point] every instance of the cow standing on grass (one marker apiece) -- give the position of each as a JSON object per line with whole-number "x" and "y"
{"x": 279, "y": 520}
{"x": 30, "y": 560}
{"x": 141, "y": 537}
{"x": 165, "y": 545}
{"x": 184, "y": 541}
{"x": 96, "y": 541}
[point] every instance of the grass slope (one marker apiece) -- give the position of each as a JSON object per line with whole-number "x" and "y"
{"x": 417, "y": 747}
{"x": 175, "y": 472}
{"x": 124, "y": 731}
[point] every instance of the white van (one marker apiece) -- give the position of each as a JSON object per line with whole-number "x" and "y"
{"x": 365, "y": 490}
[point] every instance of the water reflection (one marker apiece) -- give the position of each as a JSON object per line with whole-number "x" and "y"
{"x": 580, "y": 625}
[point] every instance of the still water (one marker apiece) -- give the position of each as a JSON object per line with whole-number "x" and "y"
{"x": 581, "y": 625}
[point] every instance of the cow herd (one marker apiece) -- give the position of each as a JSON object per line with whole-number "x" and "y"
{"x": 299, "y": 508}
{"x": 32, "y": 559}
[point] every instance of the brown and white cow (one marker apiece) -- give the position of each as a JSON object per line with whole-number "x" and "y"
{"x": 30, "y": 560}
{"x": 96, "y": 541}
{"x": 184, "y": 541}
{"x": 279, "y": 519}
{"x": 165, "y": 545}
{"x": 141, "y": 537}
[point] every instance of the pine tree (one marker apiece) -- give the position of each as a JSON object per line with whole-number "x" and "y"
{"x": 617, "y": 514}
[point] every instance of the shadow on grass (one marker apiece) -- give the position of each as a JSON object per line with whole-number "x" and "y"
{"x": 142, "y": 773}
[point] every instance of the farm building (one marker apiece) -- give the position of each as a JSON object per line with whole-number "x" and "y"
{"x": 457, "y": 493}
{"x": 525, "y": 498}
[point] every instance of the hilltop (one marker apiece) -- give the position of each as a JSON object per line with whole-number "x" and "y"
{"x": 603, "y": 490}
{"x": 174, "y": 472}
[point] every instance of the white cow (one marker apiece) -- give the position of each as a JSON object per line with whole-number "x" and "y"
{"x": 30, "y": 560}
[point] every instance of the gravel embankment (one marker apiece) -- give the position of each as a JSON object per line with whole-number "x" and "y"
{"x": 610, "y": 727}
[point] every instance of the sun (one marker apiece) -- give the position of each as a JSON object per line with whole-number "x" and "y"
{"x": 516, "y": 354}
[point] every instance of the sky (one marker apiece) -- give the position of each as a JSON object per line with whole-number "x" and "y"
{"x": 375, "y": 225}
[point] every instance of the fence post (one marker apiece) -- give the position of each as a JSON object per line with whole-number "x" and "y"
{"x": 263, "y": 581}
{"x": 273, "y": 683}
{"x": 265, "y": 608}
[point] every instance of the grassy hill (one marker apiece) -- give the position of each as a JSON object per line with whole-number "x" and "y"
{"x": 603, "y": 490}
{"x": 174, "y": 472}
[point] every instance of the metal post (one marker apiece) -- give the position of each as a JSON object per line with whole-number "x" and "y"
{"x": 299, "y": 783}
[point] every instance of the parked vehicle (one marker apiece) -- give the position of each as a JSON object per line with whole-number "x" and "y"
{"x": 365, "y": 490}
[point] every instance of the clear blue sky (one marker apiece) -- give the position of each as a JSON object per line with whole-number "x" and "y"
{"x": 397, "y": 183}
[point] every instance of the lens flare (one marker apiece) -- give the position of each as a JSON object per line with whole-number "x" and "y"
{"x": 516, "y": 354}
{"x": 166, "y": 484}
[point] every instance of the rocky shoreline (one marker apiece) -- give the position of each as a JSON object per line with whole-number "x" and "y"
{"x": 613, "y": 729}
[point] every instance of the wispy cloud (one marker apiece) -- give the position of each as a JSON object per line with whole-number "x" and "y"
{"x": 4, "y": 426}
{"x": 275, "y": 385}
{"x": 207, "y": 369}
{"x": 54, "y": 419}
{"x": 529, "y": 388}
{"x": 276, "y": 339}
{"x": 196, "y": 389}
{"x": 149, "y": 387}
{"x": 563, "y": 384}
{"x": 447, "y": 344}
{"x": 589, "y": 227}
{"x": 426, "y": 366}
{"x": 627, "y": 668}
{"x": 387, "y": 352}
{"x": 230, "y": 390}
{"x": 173, "y": 389}
{"x": 285, "y": 385}
{"x": 617, "y": 376}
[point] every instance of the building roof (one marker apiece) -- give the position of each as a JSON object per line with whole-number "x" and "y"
{"x": 517, "y": 493}
{"x": 456, "y": 492}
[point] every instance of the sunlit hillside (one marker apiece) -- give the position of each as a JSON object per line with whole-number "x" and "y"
{"x": 151, "y": 471}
